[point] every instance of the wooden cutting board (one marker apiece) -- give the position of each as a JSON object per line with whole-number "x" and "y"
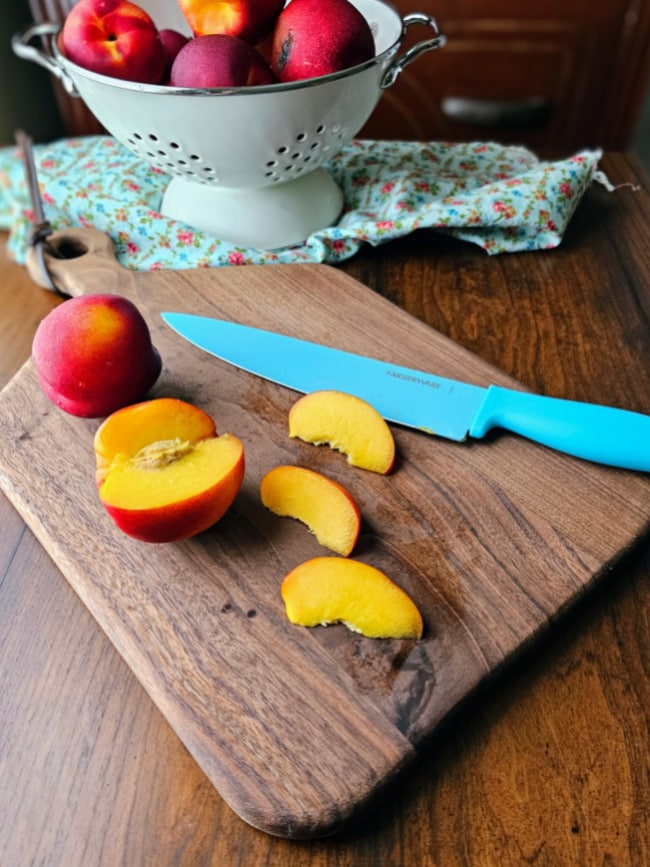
{"x": 301, "y": 730}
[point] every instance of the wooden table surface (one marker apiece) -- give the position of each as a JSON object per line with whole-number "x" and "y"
{"x": 548, "y": 765}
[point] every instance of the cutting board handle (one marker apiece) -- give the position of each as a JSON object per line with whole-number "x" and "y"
{"x": 80, "y": 261}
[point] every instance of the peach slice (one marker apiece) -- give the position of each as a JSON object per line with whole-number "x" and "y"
{"x": 163, "y": 473}
{"x": 346, "y": 423}
{"x": 328, "y": 590}
{"x": 324, "y": 505}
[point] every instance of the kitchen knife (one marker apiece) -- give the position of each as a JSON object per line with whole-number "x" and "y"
{"x": 421, "y": 400}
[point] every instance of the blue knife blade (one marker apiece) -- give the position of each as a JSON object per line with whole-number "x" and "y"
{"x": 432, "y": 404}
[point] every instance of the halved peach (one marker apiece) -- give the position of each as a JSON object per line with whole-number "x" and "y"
{"x": 130, "y": 429}
{"x": 324, "y": 505}
{"x": 162, "y": 471}
{"x": 346, "y": 423}
{"x": 328, "y": 590}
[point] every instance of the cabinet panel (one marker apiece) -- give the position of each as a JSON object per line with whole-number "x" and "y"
{"x": 554, "y": 76}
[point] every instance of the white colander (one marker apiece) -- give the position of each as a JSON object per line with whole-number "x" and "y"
{"x": 246, "y": 163}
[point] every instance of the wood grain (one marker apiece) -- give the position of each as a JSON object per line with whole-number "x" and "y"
{"x": 547, "y": 764}
{"x": 492, "y": 540}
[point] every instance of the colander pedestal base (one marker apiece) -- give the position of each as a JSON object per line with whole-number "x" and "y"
{"x": 266, "y": 218}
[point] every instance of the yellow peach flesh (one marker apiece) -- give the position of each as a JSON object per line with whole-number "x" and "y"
{"x": 168, "y": 472}
{"x": 346, "y": 423}
{"x": 328, "y": 590}
{"x": 127, "y": 431}
{"x": 319, "y": 502}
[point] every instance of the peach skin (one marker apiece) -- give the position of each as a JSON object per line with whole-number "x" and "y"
{"x": 219, "y": 60}
{"x": 94, "y": 354}
{"x": 115, "y": 38}
{"x": 172, "y": 42}
{"x": 318, "y": 37}
{"x": 250, "y": 20}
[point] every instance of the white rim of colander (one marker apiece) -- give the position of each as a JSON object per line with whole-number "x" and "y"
{"x": 251, "y": 89}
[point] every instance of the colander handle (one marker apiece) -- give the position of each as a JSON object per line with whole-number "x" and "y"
{"x": 20, "y": 44}
{"x": 402, "y": 61}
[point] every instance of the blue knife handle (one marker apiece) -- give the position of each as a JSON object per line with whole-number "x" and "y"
{"x": 616, "y": 437}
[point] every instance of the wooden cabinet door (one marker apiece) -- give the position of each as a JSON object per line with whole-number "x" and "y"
{"x": 552, "y": 75}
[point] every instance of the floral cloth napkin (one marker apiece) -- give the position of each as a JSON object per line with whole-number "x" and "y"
{"x": 502, "y": 198}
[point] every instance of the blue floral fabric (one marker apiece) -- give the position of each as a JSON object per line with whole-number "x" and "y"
{"x": 502, "y": 198}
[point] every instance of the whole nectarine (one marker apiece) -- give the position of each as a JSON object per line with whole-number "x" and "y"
{"x": 115, "y": 38}
{"x": 317, "y": 37}
{"x": 249, "y": 20}
{"x": 219, "y": 61}
{"x": 163, "y": 473}
{"x": 94, "y": 354}
{"x": 172, "y": 42}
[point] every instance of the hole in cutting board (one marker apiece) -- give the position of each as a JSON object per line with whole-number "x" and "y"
{"x": 67, "y": 248}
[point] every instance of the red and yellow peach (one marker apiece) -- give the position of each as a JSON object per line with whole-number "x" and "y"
{"x": 94, "y": 354}
{"x": 249, "y": 20}
{"x": 163, "y": 474}
{"x": 116, "y": 38}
